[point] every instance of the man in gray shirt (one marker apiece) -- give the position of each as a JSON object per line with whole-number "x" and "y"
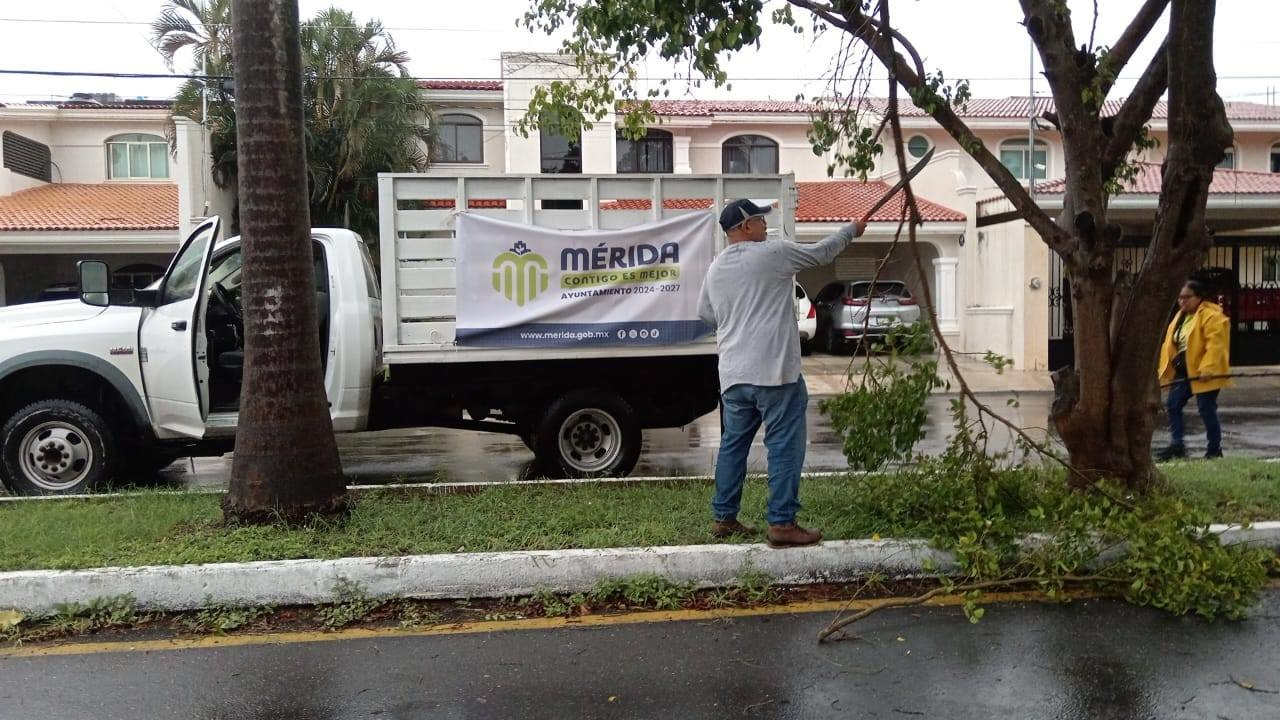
{"x": 748, "y": 297}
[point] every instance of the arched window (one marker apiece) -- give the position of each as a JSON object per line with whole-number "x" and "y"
{"x": 650, "y": 154}
{"x": 137, "y": 157}
{"x": 1013, "y": 155}
{"x": 744, "y": 154}
{"x": 461, "y": 139}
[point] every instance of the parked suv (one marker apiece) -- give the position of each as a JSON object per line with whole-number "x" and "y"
{"x": 853, "y": 312}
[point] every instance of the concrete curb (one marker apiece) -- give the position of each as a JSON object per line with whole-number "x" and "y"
{"x": 501, "y": 574}
{"x": 462, "y": 575}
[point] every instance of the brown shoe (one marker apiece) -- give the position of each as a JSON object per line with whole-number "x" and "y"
{"x": 729, "y": 527}
{"x": 791, "y": 535}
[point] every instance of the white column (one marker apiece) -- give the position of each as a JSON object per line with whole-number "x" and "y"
{"x": 680, "y": 151}
{"x": 189, "y": 162}
{"x": 944, "y": 292}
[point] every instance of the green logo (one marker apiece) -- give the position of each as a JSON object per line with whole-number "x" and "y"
{"x": 520, "y": 274}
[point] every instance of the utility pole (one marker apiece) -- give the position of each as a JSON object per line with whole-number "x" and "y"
{"x": 286, "y": 465}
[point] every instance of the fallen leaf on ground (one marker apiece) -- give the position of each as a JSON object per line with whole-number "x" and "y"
{"x": 10, "y": 619}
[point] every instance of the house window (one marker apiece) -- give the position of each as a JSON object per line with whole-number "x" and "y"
{"x": 1228, "y": 161}
{"x": 749, "y": 154}
{"x": 917, "y": 146}
{"x": 560, "y": 154}
{"x": 461, "y": 139}
{"x": 1013, "y": 155}
{"x": 1275, "y": 158}
{"x": 650, "y": 154}
{"x": 137, "y": 157}
{"x": 1271, "y": 266}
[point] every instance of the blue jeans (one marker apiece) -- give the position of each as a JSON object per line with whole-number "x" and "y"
{"x": 782, "y": 410}
{"x": 1207, "y": 403}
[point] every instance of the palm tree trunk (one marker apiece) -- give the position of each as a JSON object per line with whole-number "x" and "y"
{"x": 286, "y": 464}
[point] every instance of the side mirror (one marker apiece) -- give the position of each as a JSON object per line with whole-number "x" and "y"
{"x": 95, "y": 283}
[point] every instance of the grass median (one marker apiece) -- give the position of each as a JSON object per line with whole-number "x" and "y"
{"x": 174, "y": 528}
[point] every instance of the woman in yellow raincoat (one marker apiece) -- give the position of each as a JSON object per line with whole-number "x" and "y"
{"x": 1195, "y": 358}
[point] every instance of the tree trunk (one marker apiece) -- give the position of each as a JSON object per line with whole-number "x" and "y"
{"x": 1106, "y": 407}
{"x": 286, "y": 464}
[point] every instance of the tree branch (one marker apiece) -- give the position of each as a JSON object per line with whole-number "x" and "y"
{"x": 1122, "y": 51}
{"x": 910, "y": 203}
{"x": 1136, "y": 111}
{"x": 1065, "y": 66}
{"x": 842, "y": 622}
{"x": 866, "y": 30}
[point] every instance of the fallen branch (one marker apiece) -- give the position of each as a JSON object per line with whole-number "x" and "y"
{"x": 842, "y": 622}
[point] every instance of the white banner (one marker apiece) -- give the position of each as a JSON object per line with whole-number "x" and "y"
{"x": 525, "y": 286}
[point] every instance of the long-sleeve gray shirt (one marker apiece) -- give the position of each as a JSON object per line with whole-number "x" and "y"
{"x": 749, "y": 298}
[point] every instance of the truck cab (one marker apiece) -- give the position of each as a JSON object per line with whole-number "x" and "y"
{"x": 106, "y": 385}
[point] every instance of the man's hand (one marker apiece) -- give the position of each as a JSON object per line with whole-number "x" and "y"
{"x": 859, "y": 227}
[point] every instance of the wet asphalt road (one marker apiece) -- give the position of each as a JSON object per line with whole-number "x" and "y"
{"x": 1250, "y": 417}
{"x": 1092, "y": 660}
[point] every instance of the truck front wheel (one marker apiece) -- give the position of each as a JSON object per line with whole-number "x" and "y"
{"x": 588, "y": 433}
{"x": 56, "y": 447}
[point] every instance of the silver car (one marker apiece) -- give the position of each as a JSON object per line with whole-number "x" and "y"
{"x": 852, "y": 313}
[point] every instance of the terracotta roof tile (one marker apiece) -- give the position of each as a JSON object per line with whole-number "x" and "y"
{"x": 460, "y": 84}
{"x": 1018, "y": 107}
{"x": 1225, "y": 182}
{"x": 697, "y": 108}
{"x": 667, "y": 204}
{"x": 105, "y": 206}
{"x": 845, "y": 200}
{"x": 472, "y": 204}
{"x": 120, "y": 105}
{"x": 1007, "y": 107}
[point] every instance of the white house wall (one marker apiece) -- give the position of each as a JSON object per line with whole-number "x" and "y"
{"x": 795, "y": 153}
{"x": 493, "y": 135}
{"x": 80, "y": 147}
{"x": 522, "y": 73}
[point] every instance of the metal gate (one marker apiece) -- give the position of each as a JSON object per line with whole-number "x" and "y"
{"x": 1242, "y": 274}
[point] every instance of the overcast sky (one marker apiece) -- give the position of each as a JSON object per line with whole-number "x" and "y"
{"x": 448, "y": 38}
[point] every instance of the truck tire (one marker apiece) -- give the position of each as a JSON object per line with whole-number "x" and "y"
{"x": 56, "y": 447}
{"x": 588, "y": 433}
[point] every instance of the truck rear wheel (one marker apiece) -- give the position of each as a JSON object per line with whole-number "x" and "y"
{"x": 56, "y": 447}
{"x": 588, "y": 433}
